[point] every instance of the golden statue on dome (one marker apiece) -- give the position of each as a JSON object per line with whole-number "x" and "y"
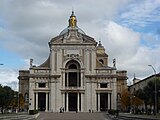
{"x": 72, "y": 21}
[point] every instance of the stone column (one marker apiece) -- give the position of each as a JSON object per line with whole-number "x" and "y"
{"x": 63, "y": 74}
{"x": 81, "y": 79}
{"x": 91, "y": 98}
{"x": 63, "y": 100}
{"x": 82, "y": 102}
{"x": 88, "y": 97}
{"x": 49, "y": 94}
{"x": 55, "y": 96}
{"x": 114, "y": 94}
{"x": 98, "y": 101}
{"x": 67, "y": 80}
{"x": 36, "y": 101}
{"x": 87, "y": 60}
{"x": 109, "y": 101}
{"x": 52, "y": 61}
{"x": 31, "y": 95}
{"x": 32, "y": 102}
{"x": 67, "y": 102}
{"x": 46, "y": 102}
{"x": 52, "y": 99}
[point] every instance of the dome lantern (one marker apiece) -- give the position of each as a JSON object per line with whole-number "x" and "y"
{"x": 72, "y": 25}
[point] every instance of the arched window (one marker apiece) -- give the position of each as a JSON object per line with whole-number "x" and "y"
{"x": 72, "y": 75}
{"x": 72, "y": 66}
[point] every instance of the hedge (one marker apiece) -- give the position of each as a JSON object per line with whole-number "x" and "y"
{"x": 32, "y": 112}
{"x": 113, "y": 112}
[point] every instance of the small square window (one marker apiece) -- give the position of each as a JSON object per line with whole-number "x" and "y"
{"x": 41, "y": 85}
{"x": 103, "y": 85}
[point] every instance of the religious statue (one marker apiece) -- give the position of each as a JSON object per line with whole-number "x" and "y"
{"x": 31, "y": 62}
{"x": 72, "y": 20}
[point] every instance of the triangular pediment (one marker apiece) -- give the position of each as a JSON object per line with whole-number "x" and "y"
{"x": 88, "y": 39}
{"x": 73, "y": 37}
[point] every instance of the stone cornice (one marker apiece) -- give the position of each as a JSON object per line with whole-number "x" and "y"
{"x": 41, "y": 89}
{"x": 104, "y": 90}
{"x": 74, "y": 89}
{"x": 101, "y": 76}
{"x": 48, "y": 76}
{"x": 122, "y": 77}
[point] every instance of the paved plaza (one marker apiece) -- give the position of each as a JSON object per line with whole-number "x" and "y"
{"x": 18, "y": 116}
{"x": 72, "y": 116}
{"x": 143, "y": 116}
{"x": 76, "y": 116}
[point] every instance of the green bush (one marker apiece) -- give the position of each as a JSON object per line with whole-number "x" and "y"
{"x": 113, "y": 112}
{"x": 32, "y": 112}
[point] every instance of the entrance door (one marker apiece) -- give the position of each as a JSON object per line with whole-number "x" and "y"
{"x": 103, "y": 101}
{"x": 42, "y": 101}
{"x": 72, "y": 101}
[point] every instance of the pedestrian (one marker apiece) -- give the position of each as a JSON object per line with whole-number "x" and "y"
{"x": 63, "y": 109}
{"x": 60, "y": 110}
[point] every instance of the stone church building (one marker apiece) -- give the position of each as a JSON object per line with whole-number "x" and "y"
{"x": 76, "y": 76}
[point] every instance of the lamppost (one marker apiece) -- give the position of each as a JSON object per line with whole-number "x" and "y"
{"x": 155, "y": 90}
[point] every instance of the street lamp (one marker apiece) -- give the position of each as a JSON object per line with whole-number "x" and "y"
{"x": 155, "y": 88}
{"x": 1, "y": 64}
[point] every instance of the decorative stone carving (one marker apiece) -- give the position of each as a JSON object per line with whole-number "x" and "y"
{"x": 56, "y": 49}
{"x": 73, "y": 57}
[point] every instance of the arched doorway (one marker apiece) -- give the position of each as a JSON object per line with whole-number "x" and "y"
{"x": 73, "y": 80}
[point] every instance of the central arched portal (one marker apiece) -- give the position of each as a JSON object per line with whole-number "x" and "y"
{"x": 73, "y": 81}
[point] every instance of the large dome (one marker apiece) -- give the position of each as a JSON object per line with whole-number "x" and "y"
{"x": 66, "y": 30}
{"x": 72, "y": 25}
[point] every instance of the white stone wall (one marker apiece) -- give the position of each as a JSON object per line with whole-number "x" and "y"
{"x": 56, "y": 85}
{"x": 31, "y": 94}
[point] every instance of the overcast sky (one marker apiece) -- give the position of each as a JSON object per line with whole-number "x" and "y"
{"x": 128, "y": 29}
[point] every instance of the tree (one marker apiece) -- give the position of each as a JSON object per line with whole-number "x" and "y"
{"x": 147, "y": 94}
{"x": 141, "y": 94}
{"x": 21, "y": 101}
{"x": 136, "y": 101}
{"x": 125, "y": 99}
{"x": 6, "y": 96}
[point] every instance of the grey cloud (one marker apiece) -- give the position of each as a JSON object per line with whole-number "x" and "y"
{"x": 31, "y": 24}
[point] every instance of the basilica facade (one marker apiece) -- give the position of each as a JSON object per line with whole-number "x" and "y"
{"x": 76, "y": 76}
